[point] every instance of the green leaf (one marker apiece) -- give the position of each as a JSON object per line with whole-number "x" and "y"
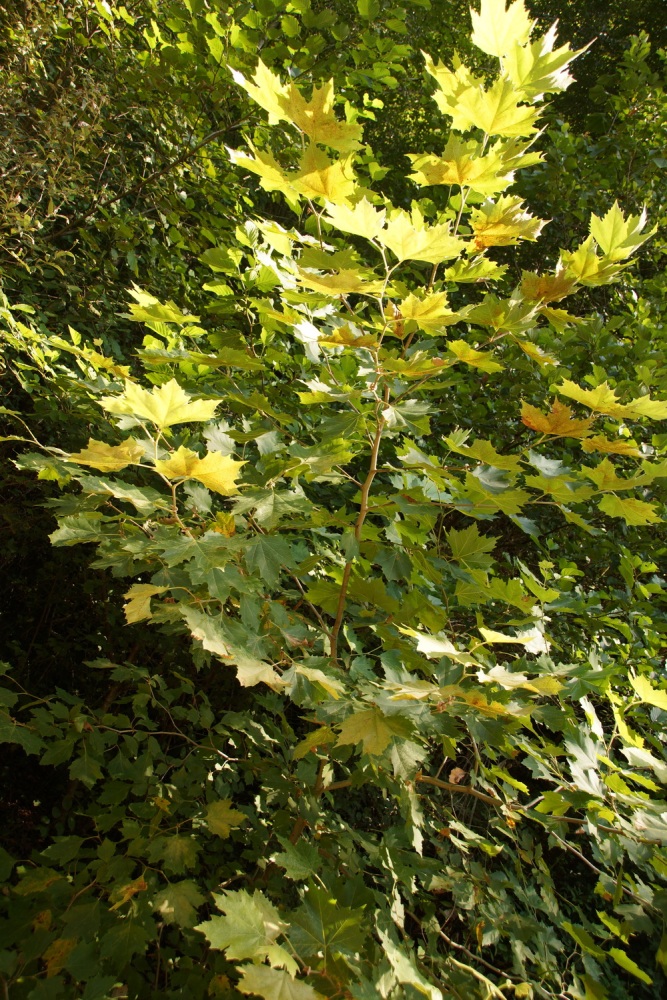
{"x": 372, "y": 729}
{"x": 178, "y": 903}
{"x": 321, "y": 930}
{"x": 583, "y": 939}
{"x": 300, "y": 860}
{"x": 273, "y": 984}
{"x": 267, "y": 555}
{"x": 625, "y": 962}
{"x": 221, "y": 818}
{"x": 368, "y": 9}
{"x": 405, "y": 968}
{"x": 249, "y": 929}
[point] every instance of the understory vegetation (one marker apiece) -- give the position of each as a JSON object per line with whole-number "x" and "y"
{"x": 333, "y": 497}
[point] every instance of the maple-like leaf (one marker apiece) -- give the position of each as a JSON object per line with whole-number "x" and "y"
{"x": 509, "y": 315}
{"x": 559, "y": 421}
{"x": 617, "y": 236}
{"x": 462, "y": 163}
{"x": 476, "y": 359}
{"x": 178, "y": 902}
{"x": 478, "y": 269}
{"x": 633, "y": 512}
{"x": 496, "y": 111}
{"x": 483, "y": 451}
{"x": 589, "y": 269}
{"x": 547, "y": 287}
{"x": 107, "y": 457}
{"x": 274, "y": 984}
{"x": 249, "y": 928}
{"x": 621, "y": 446}
{"x": 315, "y": 117}
{"x": 537, "y": 68}
{"x": 139, "y": 601}
{"x": 431, "y": 312}
{"x": 264, "y": 164}
{"x": 346, "y": 282}
{"x": 497, "y": 28}
{"x": 222, "y": 818}
{"x": 215, "y": 471}
{"x": 503, "y": 223}
{"x": 410, "y": 238}
{"x": 362, "y": 219}
{"x": 319, "y": 177}
{"x": 164, "y": 406}
{"x": 603, "y": 399}
{"x": 371, "y": 728}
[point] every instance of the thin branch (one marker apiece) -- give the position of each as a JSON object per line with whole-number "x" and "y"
{"x": 449, "y": 786}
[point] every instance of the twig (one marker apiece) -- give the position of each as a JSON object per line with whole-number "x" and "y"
{"x": 449, "y": 786}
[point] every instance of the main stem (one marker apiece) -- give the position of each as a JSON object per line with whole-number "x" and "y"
{"x": 358, "y": 526}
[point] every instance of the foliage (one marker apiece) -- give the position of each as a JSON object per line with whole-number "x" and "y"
{"x": 392, "y": 723}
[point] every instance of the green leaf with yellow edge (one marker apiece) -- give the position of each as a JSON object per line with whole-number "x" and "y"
{"x": 625, "y": 962}
{"x": 431, "y": 312}
{"x": 178, "y": 903}
{"x": 320, "y": 737}
{"x": 503, "y": 223}
{"x": 274, "y": 984}
{"x": 222, "y": 818}
{"x": 138, "y": 597}
{"x": 497, "y": 28}
{"x": 476, "y": 359}
{"x": 164, "y": 406}
{"x": 558, "y": 422}
{"x": 107, "y": 457}
{"x": 617, "y": 236}
{"x": 319, "y": 177}
{"x": 372, "y": 729}
{"x": 463, "y": 164}
{"x": 506, "y": 315}
{"x": 216, "y": 471}
{"x": 410, "y": 238}
{"x": 346, "y": 282}
{"x": 537, "y": 68}
{"x": 647, "y": 693}
{"x": 249, "y": 929}
{"x": 633, "y": 512}
{"x": 480, "y": 268}
{"x": 362, "y": 219}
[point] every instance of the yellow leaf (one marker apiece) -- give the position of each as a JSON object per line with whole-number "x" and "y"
{"x": 605, "y": 477}
{"x": 57, "y": 954}
{"x": 250, "y": 672}
{"x": 495, "y": 111}
{"x": 315, "y": 118}
{"x": 346, "y": 282}
{"x": 649, "y": 694}
{"x": 320, "y": 177}
{"x": 622, "y": 446}
{"x": 361, "y": 219}
{"x": 510, "y": 315}
{"x": 477, "y": 359}
{"x": 108, "y": 458}
{"x": 503, "y": 223}
{"x": 431, "y": 312}
{"x": 619, "y": 237}
{"x": 496, "y": 30}
{"x": 221, "y": 818}
{"x": 125, "y": 894}
{"x": 371, "y": 728}
{"x": 634, "y": 512}
{"x": 463, "y": 164}
{"x": 343, "y": 336}
{"x": 139, "y": 601}
{"x": 602, "y": 399}
{"x": 217, "y": 472}
{"x": 589, "y": 269}
{"x": 264, "y": 164}
{"x": 559, "y": 421}
{"x": 536, "y": 69}
{"x": 547, "y": 287}
{"x": 164, "y": 406}
{"x": 483, "y": 451}
{"x": 410, "y": 238}
{"x": 535, "y": 352}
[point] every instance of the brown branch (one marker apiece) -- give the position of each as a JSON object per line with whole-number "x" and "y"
{"x": 361, "y": 517}
{"x": 449, "y": 786}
